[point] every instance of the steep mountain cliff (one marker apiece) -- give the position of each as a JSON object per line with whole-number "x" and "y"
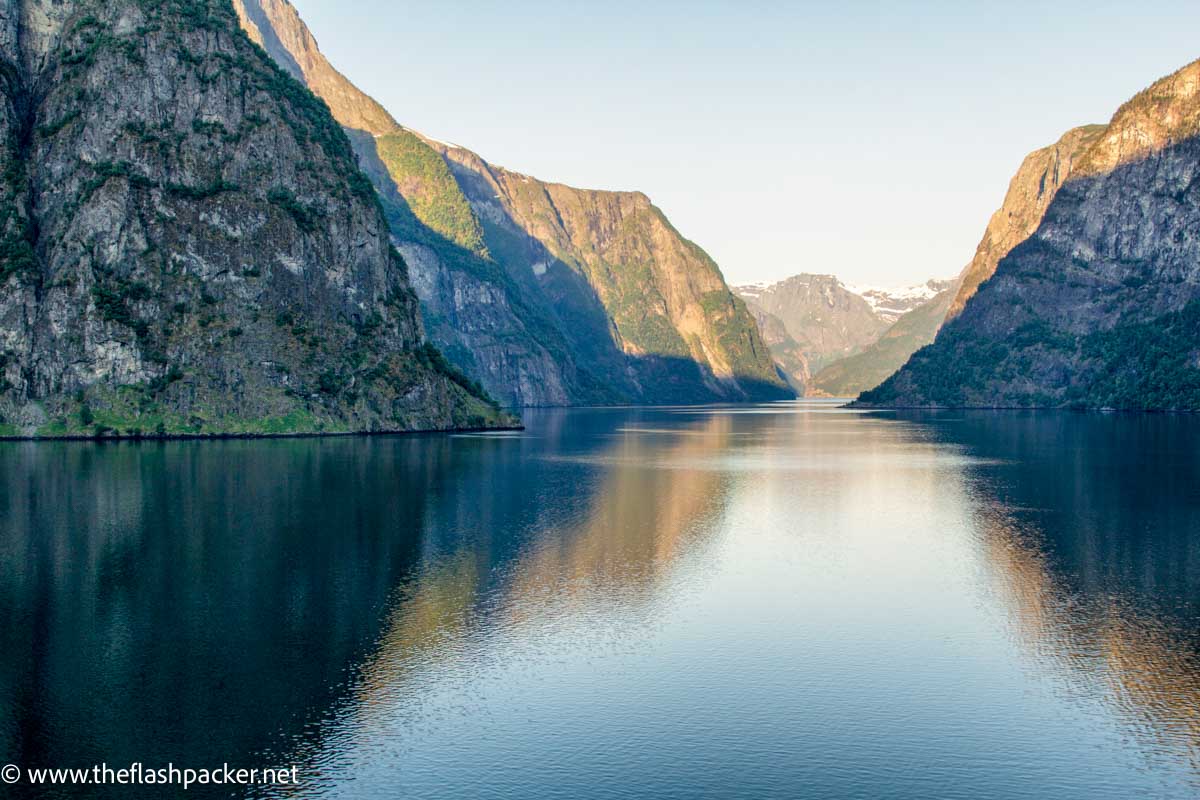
{"x": 1099, "y": 308}
{"x": 186, "y": 244}
{"x": 1030, "y": 192}
{"x": 1032, "y": 189}
{"x": 549, "y": 295}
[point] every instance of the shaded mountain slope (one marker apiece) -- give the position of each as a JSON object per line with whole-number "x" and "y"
{"x": 1099, "y": 307}
{"x": 1037, "y": 181}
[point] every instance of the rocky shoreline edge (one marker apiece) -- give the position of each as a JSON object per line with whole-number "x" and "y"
{"x": 175, "y": 437}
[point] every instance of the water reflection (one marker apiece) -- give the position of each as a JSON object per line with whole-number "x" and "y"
{"x": 645, "y": 512}
{"x": 196, "y": 604}
{"x": 628, "y": 522}
{"x": 1089, "y": 532}
{"x": 729, "y": 602}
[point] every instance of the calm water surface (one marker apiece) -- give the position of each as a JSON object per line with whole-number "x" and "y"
{"x": 770, "y": 602}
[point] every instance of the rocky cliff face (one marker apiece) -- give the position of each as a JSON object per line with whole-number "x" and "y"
{"x": 628, "y": 291}
{"x": 1032, "y": 189}
{"x": 549, "y": 295}
{"x": 1099, "y": 308}
{"x": 1030, "y": 193}
{"x": 186, "y": 245}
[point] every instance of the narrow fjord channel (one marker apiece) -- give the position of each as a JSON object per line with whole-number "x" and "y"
{"x": 771, "y": 601}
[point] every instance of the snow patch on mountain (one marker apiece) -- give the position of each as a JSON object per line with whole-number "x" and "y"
{"x": 888, "y": 303}
{"x": 893, "y": 303}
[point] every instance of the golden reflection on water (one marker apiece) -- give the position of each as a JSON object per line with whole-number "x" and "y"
{"x": 1143, "y": 668}
{"x": 644, "y": 516}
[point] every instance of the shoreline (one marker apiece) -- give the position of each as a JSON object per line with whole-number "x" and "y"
{"x": 189, "y": 437}
{"x": 1062, "y": 409}
{"x": 109, "y": 438}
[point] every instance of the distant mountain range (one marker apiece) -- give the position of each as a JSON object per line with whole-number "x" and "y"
{"x": 815, "y": 323}
{"x": 892, "y": 304}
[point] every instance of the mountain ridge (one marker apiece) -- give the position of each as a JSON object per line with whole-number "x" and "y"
{"x": 816, "y": 325}
{"x": 1030, "y": 191}
{"x": 535, "y": 303}
{"x": 1098, "y": 308}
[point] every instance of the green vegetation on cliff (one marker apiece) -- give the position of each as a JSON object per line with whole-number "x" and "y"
{"x": 189, "y": 247}
{"x": 1146, "y": 365}
{"x": 431, "y": 192}
{"x": 867, "y": 369}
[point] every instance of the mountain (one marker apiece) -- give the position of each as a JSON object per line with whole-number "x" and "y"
{"x": 875, "y": 363}
{"x": 186, "y": 244}
{"x": 817, "y": 326}
{"x": 824, "y": 320}
{"x": 1100, "y": 307}
{"x": 892, "y": 304}
{"x": 548, "y": 294}
{"x": 1030, "y": 192}
{"x": 789, "y": 355}
{"x": 1032, "y": 189}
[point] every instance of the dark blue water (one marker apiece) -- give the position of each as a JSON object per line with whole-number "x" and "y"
{"x": 776, "y": 602}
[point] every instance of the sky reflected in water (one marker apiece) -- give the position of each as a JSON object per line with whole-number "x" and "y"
{"x": 779, "y": 601}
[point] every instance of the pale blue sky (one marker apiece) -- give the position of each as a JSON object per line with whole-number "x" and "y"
{"x": 868, "y": 139}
